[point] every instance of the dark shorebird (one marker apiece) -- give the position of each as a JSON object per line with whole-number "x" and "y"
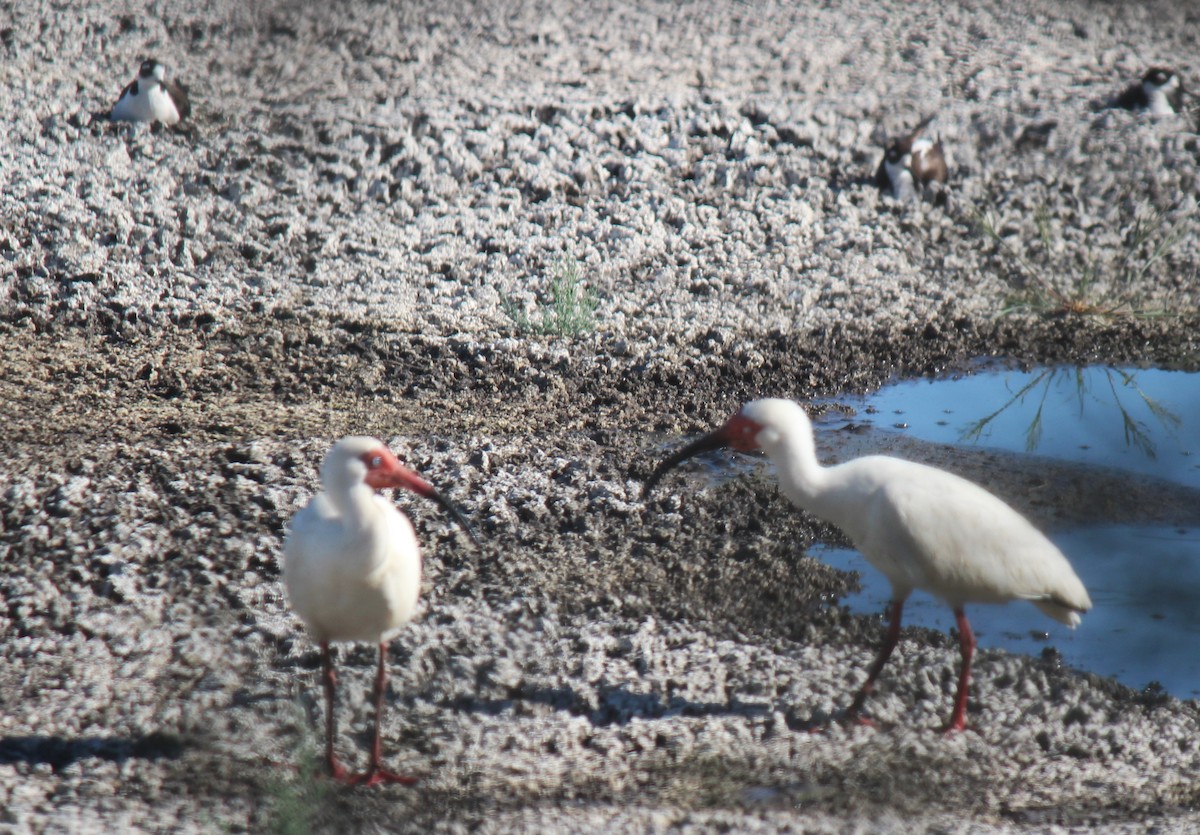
{"x": 1160, "y": 93}
{"x": 150, "y": 98}
{"x": 912, "y": 162}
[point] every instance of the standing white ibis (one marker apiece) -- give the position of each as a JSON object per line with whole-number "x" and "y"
{"x": 352, "y": 568}
{"x": 922, "y": 527}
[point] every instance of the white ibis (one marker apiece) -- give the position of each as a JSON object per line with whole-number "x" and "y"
{"x": 151, "y": 98}
{"x": 922, "y": 527}
{"x": 352, "y": 569}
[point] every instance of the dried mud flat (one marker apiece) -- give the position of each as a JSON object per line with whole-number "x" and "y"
{"x": 189, "y": 318}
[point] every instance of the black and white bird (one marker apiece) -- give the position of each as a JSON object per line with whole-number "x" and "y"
{"x": 911, "y": 163}
{"x": 151, "y": 98}
{"x": 1159, "y": 93}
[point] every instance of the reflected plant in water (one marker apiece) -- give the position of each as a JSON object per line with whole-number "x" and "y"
{"x": 1118, "y": 381}
{"x": 1134, "y": 433}
{"x": 1033, "y": 434}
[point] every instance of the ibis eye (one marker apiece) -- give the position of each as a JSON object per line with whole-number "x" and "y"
{"x": 376, "y": 462}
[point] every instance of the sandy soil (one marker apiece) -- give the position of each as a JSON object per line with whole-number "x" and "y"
{"x": 358, "y": 232}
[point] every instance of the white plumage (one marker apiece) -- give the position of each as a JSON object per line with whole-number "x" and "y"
{"x": 352, "y": 568}
{"x": 922, "y": 527}
{"x": 1159, "y": 95}
{"x": 899, "y": 173}
{"x": 151, "y": 98}
{"x": 353, "y": 565}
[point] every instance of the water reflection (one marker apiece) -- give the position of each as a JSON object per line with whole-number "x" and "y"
{"x": 1136, "y": 419}
{"x": 1080, "y": 384}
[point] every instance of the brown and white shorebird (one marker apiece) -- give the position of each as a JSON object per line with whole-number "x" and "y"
{"x": 1159, "y": 93}
{"x": 924, "y": 528}
{"x": 912, "y": 162}
{"x": 352, "y": 568}
{"x": 151, "y": 98}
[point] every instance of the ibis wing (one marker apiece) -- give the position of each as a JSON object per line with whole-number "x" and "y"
{"x": 348, "y": 584}
{"x": 963, "y": 544}
{"x": 302, "y": 564}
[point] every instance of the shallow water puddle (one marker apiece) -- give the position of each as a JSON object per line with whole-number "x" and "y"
{"x": 1144, "y": 579}
{"x": 1141, "y": 420}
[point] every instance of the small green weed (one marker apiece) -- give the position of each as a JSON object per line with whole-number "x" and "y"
{"x": 297, "y": 800}
{"x": 570, "y": 310}
{"x": 1094, "y": 287}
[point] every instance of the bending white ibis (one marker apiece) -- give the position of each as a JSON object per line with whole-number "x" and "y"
{"x": 922, "y": 527}
{"x": 352, "y": 569}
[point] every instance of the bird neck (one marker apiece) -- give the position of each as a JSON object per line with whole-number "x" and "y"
{"x": 801, "y": 476}
{"x": 1160, "y": 103}
{"x": 354, "y": 503}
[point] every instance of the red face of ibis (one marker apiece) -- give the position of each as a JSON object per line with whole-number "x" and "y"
{"x": 741, "y": 433}
{"x": 385, "y": 470}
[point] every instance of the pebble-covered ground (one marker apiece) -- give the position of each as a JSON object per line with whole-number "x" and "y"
{"x": 363, "y": 229}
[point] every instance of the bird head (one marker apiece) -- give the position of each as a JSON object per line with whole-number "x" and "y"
{"x": 758, "y": 425}
{"x": 359, "y": 460}
{"x": 1159, "y": 78}
{"x": 152, "y": 69}
{"x": 896, "y": 151}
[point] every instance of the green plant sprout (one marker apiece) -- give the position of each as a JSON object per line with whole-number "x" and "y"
{"x": 570, "y": 310}
{"x": 296, "y": 802}
{"x": 1149, "y": 236}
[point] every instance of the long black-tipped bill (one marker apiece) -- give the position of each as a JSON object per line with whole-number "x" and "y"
{"x": 711, "y": 441}
{"x": 449, "y": 507}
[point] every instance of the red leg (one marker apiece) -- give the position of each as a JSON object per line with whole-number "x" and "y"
{"x": 958, "y": 719}
{"x": 329, "y": 679}
{"x": 890, "y": 639}
{"x": 376, "y": 773}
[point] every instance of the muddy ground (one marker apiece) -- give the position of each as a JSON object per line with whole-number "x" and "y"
{"x": 189, "y": 318}
{"x": 164, "y": 498}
